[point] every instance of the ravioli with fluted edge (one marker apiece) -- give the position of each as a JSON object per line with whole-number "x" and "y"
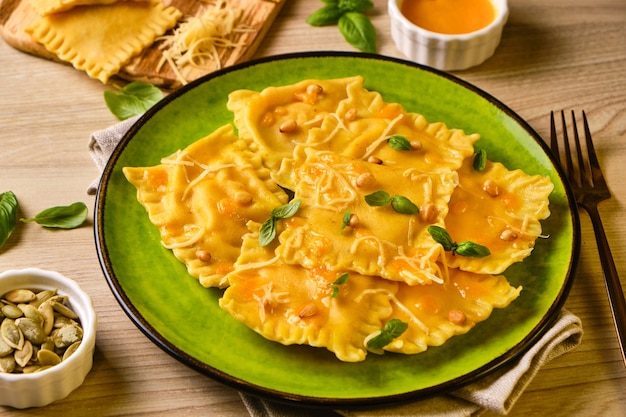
{"x": 276, "y": 119}
{"x": 117, "y": 32}
{"x": 335, "y": 219}
{"x": 201, "y": 198}
{"x": 499, "y": 209}
{"x": 379, "y": 241}
{"x": 294, "y": 305}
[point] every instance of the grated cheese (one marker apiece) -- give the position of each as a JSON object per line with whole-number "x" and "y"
{"x": 187, "y": 242}
{"x": 402, "y": 307}
{"x": 383, "y": 137}
{"x": 196, "y": 40}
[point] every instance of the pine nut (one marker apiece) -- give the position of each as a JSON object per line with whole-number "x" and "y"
{"x": 491, "y": 188}
{"x": 288, "y": 126}
{"x": 365, "y": 180}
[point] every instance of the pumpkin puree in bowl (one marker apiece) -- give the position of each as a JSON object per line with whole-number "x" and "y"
{"x": 449, "y": 16}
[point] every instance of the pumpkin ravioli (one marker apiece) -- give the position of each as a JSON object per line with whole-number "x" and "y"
{"x": 46, "y": 7}
{"x": 201, "y": 198}
{"x": 116, "y": 33}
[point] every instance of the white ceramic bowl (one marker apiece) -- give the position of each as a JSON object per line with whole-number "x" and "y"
{"x": 442, "y": 51}
{"x": 42, "y": 388}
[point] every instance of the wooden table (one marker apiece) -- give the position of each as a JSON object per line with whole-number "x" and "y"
{"x": 554, "y": 55}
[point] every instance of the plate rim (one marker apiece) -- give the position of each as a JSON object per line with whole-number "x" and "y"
{"x": 323, "y": 402}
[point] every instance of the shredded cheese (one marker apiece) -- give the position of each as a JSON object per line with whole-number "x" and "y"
{"x": 398, "y": 303}
{"x": 257, "y": 265}
{"x": 383, "y": 137}
{"x": 421, "y": 264}
{"x": 196, "y": 40}
{"x": 330, "y": 180}
{"x": 193, "y": 239}
{"x": 376, "y": 241}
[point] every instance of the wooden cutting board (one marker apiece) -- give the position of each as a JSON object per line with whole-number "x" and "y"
{"x": 258, "y": 15}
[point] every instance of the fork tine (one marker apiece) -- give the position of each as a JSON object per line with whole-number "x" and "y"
{"x": 554, "y": 143}
{"x": 584, "y": 173}
{"x": 595, "y": 175}
{"x": 569, "y": 165}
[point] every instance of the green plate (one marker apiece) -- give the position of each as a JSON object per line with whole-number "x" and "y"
{"x": 184, "y": 319}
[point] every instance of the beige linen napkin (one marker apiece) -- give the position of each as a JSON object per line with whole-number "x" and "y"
{"x": 497, "y": 391}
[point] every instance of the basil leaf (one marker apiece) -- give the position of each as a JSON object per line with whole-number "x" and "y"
{"x": 358, "y": 31}
{"x": 134, "y": 99}
{"x": 147, "y": 93}
{"x": 355, "y": 5}
{"x": 61, "y": 217}
{"x": 378, "y": 198}
{"x": 399, "y": 143}
{"x": 472, "y": 250}
{"x": 345, "y": 220}
{"x": 343, "y": 278}
{"x": 442, "y": 237}
{"x": 8, "y": 215}
{"x": 480, "y": 160}
{"x": 327, "y": 15}
{"x": 392, "y": 329}
{"x": 403, "y": 205}
{"x": 287, "y": 210}
{"x": 267, "y": 233}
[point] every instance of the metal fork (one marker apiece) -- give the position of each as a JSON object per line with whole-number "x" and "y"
{"x": 589, "y": 186}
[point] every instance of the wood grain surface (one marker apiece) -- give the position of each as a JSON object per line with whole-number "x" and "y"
{"x": 257, "y": 18}
{"x": 557, "y": 54}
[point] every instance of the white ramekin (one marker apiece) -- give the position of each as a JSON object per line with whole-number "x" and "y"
{"x": 443, "y": 51}
{"x": 42, "y": 388}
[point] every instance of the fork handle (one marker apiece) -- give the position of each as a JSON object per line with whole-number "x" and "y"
{"x": 611, "y": 280}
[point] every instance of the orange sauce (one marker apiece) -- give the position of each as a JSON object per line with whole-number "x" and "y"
{"x": 449, "y": 16}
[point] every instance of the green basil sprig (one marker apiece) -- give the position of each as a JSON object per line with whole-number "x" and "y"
{"x": 467, "y": 248}
{"x": 393, "y": 329}
{"x": 8, "y": 215}
{"x": 480, "y": 160}
{"x": 267, "y": 233}
{"x": 132, "y": 100}
{"x": 399, "y": 203}
{"x": 399, "y": 143}
{"x": 354, "y": 25}
{"x": 343, "y": 278}
{"x": 61, "y": 217}
{"x": 345, "y": 221}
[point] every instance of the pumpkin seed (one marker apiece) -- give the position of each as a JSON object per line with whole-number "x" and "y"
{"x": 11, "y": 334}
{"x": 67, "y": 335}
{"x": 48, "y": 344}
{"x": 7, "y": 364}
{"x": 31, "y": 312}
{"x": 11, "y": 311}
{"x": 4, "y": 348}
{"x": 22, "y": 356}
{"x": 62, "y": 321}
{"x": 47, "y": 312}
{"x": 70, "y": 350}
{"x": 29, "y": 369}
{"x": 37, "y": 330}
{"x": 32, "y": 331}
{"x": 43, "y": 296}
{"x": 47, "y": 357}
{"x": 64, "y": 310}
{"x": 19, "y": 296}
